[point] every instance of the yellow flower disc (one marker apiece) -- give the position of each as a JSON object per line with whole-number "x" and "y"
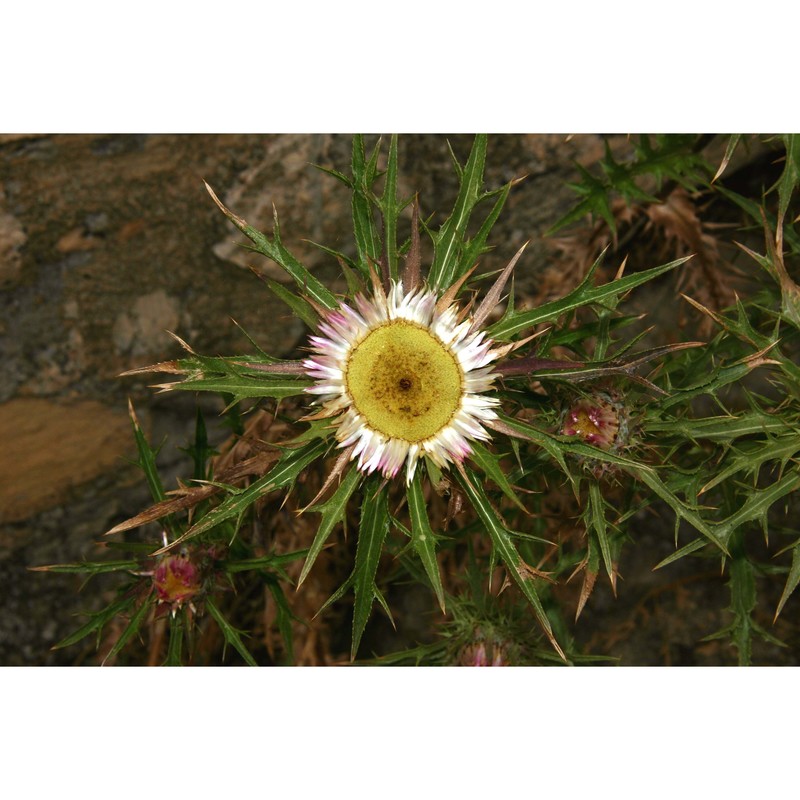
{"x": 404, "y": 381}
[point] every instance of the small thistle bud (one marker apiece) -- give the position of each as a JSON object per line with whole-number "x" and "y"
{"x": 474, "y": 655}
{"x": 598, "y": 420}
{"x": 483, "y": 653}
{"x": 176, "y": 579}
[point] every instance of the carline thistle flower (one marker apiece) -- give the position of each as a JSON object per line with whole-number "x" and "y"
{"x": 403, "y": 376}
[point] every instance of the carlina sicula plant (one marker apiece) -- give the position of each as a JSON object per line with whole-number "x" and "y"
{"x": 421, "y": 381}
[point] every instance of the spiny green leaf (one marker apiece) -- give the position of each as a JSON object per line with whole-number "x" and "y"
{"x": 557, "y": 446}
{"x": 584, "y": 295}
{"x": 790, "y": 177}
{"x": 243, "y": 386}
{"x": 384, "y": 605}
{"x": 719, "y": 429}
{"x": 751, "y": 456}
{"x": 285, "y": 617}
{"x": 333, "y": 512}
{"x": 692, "y": 547}
{"x": 489, "y": 464}
{"x": 97, "y": 622}
{"x": 317, "y": 429}
{"x": 596, "y": 201}
{"x": 175, "y": 646}
{"x": 290, "y": 465}
{"x": 742, "y": 585}
{"x": 299, "y": 306}
{"x": 307, "y": 283}
{"x": 92, "y": 567}
{"x": 459, "y": 170}
{"x": 275, "y": 251}
{"x": 238, "y": 377}
{"x": 131, "y": 628}
{"x": 545, "y": 440}
{"x": 197, "y": 364}
{"x": 757, "y": 505}
{"x": 674, "y": 156}
{"x": 334, "y": 173}
{"x": 621, "y": 178}
{"x": 709, "y": 384}
{"x": 450, "y": 238}
{"x": 743, "y": 600}
{"x": 791, "y": 581}
{"x": 371, "y": 535}
{"x": 372, "y": 532}
{"x": 733, "y": 141}
{"x": 754, "y": 210}
{"x": 681, "y": 509}
{"x": 599, "y": 524}
{"x": 337, "y": 595}
{"x": 199, "y": 450}
{"x": 423, "y": 539}
{"x": 368, "y": 242}
{"x": 503, "y": 543}
{"x": 272, "y": 561}
{"x": 766, "y": 635}
{"x": 232, "y": 636}
{"x": 147, "y": 463}
{"x": 429, "y": 654}
{"x": 476, "y": 246}
{"x": 390, "y": 210}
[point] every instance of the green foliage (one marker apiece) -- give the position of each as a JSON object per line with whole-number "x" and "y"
{"x": 183, "y": 584}
{"x": 232, "y": 636}
{"x": 423, "y": 538}
{"x": 242, "y": 378}
{"x": 239, "y": 501}
{"x": 333, "y": 513}
{"x": 522, "y": 574}
{"x": 371, "y": 535}
{"x": 701, "y": 439}
{"x": 448, "y": 243}
{"x": 672, "y": 157}
{"x": 584, "y": 295}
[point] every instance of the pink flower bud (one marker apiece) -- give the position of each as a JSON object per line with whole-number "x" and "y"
{"x": 474, "y": 655}
{"x": 595, "y": 420}
{"x": 176, "y": 579}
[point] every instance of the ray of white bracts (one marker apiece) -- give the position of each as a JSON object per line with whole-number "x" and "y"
{"x": 344, "y": 328}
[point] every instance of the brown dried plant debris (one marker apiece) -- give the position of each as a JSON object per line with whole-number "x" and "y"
{"x": 293, "y": 528}
{"x": 289, "y": 529}
{"x": 656, "y": 232}
{"x": 577, "y": 252}
{"x": 707, "y": 277}
{"x": 241, "y": 458}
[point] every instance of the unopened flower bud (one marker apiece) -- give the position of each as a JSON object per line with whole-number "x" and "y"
{"x": 597, "y": 420}
{"x": 474, "y": 655}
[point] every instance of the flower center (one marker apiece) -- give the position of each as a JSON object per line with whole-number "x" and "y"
{"x": 404, "y": 381}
